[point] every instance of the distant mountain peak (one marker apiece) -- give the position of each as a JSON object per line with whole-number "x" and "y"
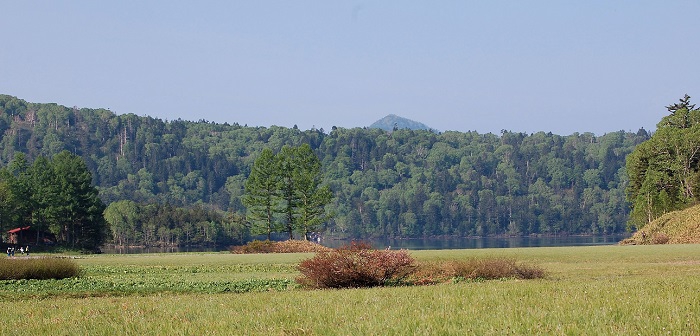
{"x": 393, "y": 121}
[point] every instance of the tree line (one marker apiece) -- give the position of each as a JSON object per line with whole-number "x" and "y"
{"x": 137, "y": 224}
{"x": 401, "y": 183}
{"x": 55, "y": 197}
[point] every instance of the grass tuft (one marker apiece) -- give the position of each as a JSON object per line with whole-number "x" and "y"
{"x": 287, "y": 246}
{"x": 41, "y": 268}
{"x": 475, "y": 269}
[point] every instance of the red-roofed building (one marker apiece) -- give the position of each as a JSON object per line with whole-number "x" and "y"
{"x": 19, "y": 235}
{"x": 27, "y": 235}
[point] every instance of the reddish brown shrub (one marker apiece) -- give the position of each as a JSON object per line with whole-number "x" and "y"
{"x": 530, "y": 272}
{"x": 355, "y": 266}
{"x": 287, "y": 246}
{"x": 256, "y": 246}
{"x": 298, "y": 246}
{"x": 482, "y": 269}
{"x": 495, "y": 268}
{"x": 659, "y": 238}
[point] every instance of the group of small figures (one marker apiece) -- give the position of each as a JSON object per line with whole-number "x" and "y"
{"x": 22, "y": 250}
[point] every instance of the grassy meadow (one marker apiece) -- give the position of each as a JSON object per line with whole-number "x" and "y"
{"x": 601, "y": 290}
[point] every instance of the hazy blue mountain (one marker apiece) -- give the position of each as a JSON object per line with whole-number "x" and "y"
{"x": 392, "y": 121}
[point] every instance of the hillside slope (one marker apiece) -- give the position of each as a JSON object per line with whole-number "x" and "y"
{"x": 401, "y": 183}
{"x": 677, "y": 227}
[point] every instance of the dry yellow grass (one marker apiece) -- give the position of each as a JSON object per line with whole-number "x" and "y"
{"x": 677, "y": 227}
{"x": 287, "y": 246}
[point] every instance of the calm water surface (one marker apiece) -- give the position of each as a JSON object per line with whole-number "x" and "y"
{"x": 421, "y": 244}
{"x": 486, "y": 242}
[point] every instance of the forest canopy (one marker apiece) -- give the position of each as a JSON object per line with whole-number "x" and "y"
{"x": 400, "y": 183}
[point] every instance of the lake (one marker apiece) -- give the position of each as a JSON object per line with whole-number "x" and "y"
{"x": 419, "y": 244}
{"x": 486, "y": 242}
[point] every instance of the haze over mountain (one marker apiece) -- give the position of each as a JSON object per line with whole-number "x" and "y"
{"x": 393, "y": 121}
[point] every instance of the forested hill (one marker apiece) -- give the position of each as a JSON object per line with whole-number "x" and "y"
{"x": 401, "y": 183}
{"x": 394, "y": 122}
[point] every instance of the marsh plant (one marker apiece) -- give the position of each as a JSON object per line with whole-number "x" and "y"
{"x": 41, "y": 268}
{"x": 355, "y": 265}
{"x": 358, "y": 265}
{"x": 485, "y": 268}
{"x": 287, "y": 246}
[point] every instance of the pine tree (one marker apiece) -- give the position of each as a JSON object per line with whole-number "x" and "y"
{"x": 286, "y": 184}
{"x": 312, "y": 197}
{"x": 80, "y": 222}
{"x": 262, "y": 193}
{"x": 289, "y": 177}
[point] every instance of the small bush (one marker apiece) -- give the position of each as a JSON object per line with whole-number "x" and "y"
{"x": 476, "y": 269}
{"x": 659, "y": 238}
{"x": 355, "y": 266}
{"x": 37, "y": 268}
{"x": 287, "y": 246}
{"x": 298, "y": 246}
{"x": 256, "y": 246}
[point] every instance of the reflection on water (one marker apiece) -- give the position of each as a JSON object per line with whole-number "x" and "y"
{"x": 485, "y": 242}
{"x": 418, "y": 244}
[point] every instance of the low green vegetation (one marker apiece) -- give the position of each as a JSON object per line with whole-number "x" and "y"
{"x": 601, "y": 290}
{"x": 115, "y": 275}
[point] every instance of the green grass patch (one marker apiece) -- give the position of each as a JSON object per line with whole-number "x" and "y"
{"x": 150, "y": 274}
{"x": 603, "y": 290}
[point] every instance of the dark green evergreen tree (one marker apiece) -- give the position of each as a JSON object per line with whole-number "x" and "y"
{"x": 312, "y": 197}
{"x": 262, "y": 194}
{"x": 44, "y": 199}
{"x": 289, "y": 167}
{"x": 287, "y": 184}
{"x": 17, "y": 176}
{"x": 79, "y": 220}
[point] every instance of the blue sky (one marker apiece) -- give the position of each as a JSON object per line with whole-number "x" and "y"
{"x": 526, "y": 66}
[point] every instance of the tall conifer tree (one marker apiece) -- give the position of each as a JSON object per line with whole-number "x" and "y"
{"x": 312, "y": 196}
{"x": 262, "y": 193}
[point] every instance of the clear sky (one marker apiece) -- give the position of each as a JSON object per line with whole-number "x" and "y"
{"x": 561, "y": 66}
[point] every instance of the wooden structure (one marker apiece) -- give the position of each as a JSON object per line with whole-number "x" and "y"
{"x": 26, "y": 236}
{"x": 20, "y": 235}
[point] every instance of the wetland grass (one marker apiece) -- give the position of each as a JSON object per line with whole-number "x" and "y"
{"x": 611, "y": 290}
